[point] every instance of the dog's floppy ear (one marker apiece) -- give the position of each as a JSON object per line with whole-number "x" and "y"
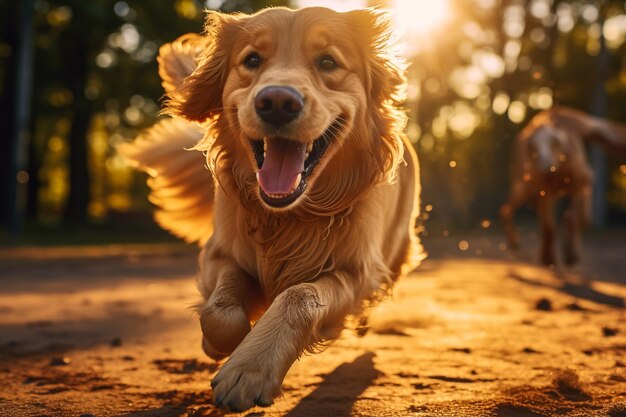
{"x": 178, "y": 59}
{"x": 385, "y": 80}
{"x": 199, "y": 96}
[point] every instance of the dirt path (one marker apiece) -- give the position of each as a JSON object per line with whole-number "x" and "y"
{"x": 107, "y": 333}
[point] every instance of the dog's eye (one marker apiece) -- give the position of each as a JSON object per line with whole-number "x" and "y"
{"x": 327, "y": 63}
{"x": 252, "y": 61}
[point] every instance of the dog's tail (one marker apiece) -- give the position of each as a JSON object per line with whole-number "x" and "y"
{"x": 608, "y": 134}
{"x": 182, "y": 187}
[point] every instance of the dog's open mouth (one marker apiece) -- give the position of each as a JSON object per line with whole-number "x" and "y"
{"x": 285, "y": 165}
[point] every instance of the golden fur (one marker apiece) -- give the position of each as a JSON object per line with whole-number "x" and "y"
{"x": 550, "y": 162}
{"x": 296, "y": 273}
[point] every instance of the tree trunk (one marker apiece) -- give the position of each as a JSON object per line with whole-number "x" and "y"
{"x": 21, "y": 134}
{"x": 78, "y": 199}
{"x": 598, "y": 107}
{"x": 34, "y": 163}
{"x": 8, "y": 27}
{"x": 77, "y": 69}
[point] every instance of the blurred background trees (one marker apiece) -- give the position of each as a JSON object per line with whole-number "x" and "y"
{"x": 95, "y": 85}
{"x": 479, "y": 72}
{"x": 492, "y": 65}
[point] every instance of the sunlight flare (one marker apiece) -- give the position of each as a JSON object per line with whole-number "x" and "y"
{"x": 416, "y": 18}
{"x": 337, "y": 5}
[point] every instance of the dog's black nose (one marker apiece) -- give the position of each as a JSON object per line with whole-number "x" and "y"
{"x": 278, "y": 105}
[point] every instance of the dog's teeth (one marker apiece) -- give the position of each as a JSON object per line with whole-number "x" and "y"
{"x": 264, "y": 154}
{"x": 257, "y": 176}
{"x": 264, "y": 147}
{"x": 309, "y": 147}
{"x": 296, "y": 182}
{"x": 284, "y": 195}
{"x": 306, "y": 156}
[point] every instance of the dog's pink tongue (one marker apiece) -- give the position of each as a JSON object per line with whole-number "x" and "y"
{"x": 284, "y": 160}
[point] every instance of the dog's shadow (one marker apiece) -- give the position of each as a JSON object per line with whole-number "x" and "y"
{"x": 336, "y": 395}
{"x": 574, "y": 286}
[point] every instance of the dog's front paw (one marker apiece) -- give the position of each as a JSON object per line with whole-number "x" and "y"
{"x": 223, "y": 328}
{"x": 238, "y": 387}
{"x": 210, "y": 351}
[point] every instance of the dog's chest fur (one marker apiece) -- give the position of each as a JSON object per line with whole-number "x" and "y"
{"x": 280, "y": 252}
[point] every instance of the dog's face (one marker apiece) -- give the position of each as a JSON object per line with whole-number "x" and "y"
{"x": 293, "y": 89}
{"x": 294, "y": 95}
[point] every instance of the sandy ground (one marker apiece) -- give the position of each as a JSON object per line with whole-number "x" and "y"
{"x": 107, "y": 332}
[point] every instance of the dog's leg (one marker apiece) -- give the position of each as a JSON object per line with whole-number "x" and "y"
{"x": 299, "y": 317}
{"x": 230, "y": 301}
{"x": 585, "y": 209}
{"x": 507, "y": 214}
{"x": 572, "y": 232}
{"x": 577, "y": 217}
{"x": 545, "y": 212}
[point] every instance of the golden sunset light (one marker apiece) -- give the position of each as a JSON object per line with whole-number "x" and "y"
{"x": 337, "y": 5}
{"x": 415, "y": 19}
{"x": 295, "y": 208}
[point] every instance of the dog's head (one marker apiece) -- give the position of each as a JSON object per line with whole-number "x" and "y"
{"x": 303, "y": 104}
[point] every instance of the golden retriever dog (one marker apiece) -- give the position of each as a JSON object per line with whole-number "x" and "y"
{"x": 550, "y": 162}
{"x": 307, "y": 211}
